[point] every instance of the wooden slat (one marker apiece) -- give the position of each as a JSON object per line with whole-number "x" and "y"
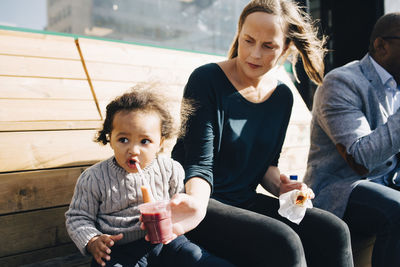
{"x": 136, "y": 74}
{"x": 72, "y": 260}
{"x": 114, "y": 67}
{"x": 41, "y": 67}
{"x": 293, "y": 160}
{"x": 297, "y": 135}
{"x": 24, "y": 191}
{"x": 49, "y": 149}
{"x": 29, "y": 231}
{"x": 39, "y": 88}
{"x": 48, "y": 125}
{"x": 173, "y": 105}
{"x": 39, "y": 255}
{"x": 130, "y": 54}
{"x": 38, "y": 45}
{"x": 107, "y": 90}
{"x": 362, "y": 247}
{"x": 45, "y": 110}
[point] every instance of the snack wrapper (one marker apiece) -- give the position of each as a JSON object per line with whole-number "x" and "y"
{"x": 293, "y": 205}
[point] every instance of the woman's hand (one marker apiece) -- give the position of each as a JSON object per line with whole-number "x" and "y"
{"x": 186, "y": 213}
{"x": 289, "y": 185}
{"x": 99, "y": 247}
{"x": 188, "y": 209}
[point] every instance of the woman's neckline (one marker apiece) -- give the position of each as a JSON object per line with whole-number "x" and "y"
{"x": 232, "y": 85}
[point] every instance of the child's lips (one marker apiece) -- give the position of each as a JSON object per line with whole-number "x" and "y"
{"x": 131, "y": 163}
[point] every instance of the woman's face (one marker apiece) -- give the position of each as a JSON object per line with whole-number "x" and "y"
{"x": 261, "y": 43}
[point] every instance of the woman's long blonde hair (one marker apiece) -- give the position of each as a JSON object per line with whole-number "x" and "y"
{"x": 301, "y": 35}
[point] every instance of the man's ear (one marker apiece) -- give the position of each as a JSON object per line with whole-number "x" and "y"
{"x": 380, "y": 45}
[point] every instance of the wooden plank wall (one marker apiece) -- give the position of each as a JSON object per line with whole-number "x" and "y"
{"x": 114, "y": 67}
{"x": 47, "y": 119}
{"x": 54, "y": 91}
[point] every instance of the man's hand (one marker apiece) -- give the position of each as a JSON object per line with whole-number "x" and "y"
{"x": 99, "y": 246}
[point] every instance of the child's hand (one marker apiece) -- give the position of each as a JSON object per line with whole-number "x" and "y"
{"x": 99, "y": 247}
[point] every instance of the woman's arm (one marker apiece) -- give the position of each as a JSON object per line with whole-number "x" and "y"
{"x": 271, "y": 181}
{"x": 189, "y": 209}
{"x": 200, "y": 189}
{"x": 277, "y": 183}
{"x": 195, "y": 151}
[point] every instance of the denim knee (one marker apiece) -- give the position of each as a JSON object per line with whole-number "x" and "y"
{"x": 182, "y": 252}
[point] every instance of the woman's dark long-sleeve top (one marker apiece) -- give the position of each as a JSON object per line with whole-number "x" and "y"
{"x": 231, "y": 142}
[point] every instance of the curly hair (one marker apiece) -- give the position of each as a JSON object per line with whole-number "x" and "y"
{"x": 142, "y": 99}
{"x": 301, "y": 35}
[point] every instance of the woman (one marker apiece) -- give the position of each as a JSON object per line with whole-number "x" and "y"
{"x": 233, "y": 144}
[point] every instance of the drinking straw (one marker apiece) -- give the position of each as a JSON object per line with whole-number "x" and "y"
{"x": 146, "y": 192}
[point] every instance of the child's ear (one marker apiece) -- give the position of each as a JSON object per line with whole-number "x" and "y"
{"x": 108, "y": 136}
{"x": 161, "y": 147}
{"x": 162, "y": 141}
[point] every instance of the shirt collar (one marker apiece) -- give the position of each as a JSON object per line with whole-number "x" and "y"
{"x": 386, "y": 78}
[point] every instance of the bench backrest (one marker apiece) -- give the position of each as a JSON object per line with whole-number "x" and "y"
{"x": 54, "y": 90}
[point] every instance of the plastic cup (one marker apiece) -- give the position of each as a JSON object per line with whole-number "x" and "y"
{"x": 156, "y": 217}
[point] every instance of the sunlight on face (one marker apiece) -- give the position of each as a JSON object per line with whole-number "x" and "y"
{"x": 261, "y": 43}
{"x": 135, "y": 137}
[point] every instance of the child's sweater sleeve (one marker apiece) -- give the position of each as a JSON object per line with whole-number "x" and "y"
{"x": 176, "y": 184}
{"x": 82, "y": 212}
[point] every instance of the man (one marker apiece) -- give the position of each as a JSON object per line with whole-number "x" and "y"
{"x": 354, "y": 160}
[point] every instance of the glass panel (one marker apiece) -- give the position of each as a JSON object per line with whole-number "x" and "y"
{"x": 196, "y": 25}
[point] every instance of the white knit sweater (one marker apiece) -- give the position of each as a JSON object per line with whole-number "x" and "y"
{"x": 106, "y": 199}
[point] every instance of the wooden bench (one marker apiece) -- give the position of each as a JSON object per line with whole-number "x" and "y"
{"x": 54, "y": 90}
{"x": 50, "y": 108}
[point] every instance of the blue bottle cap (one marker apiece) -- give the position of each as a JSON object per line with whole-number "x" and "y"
{"x": 293, "y": 177}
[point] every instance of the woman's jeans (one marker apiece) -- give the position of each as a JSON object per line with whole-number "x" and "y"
{"x": 256, "y": 235}
{"x": 179, "y": 252}
{"x": 374, "y": 209}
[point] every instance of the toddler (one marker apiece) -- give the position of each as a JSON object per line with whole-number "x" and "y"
{"x": 103, "y": 217}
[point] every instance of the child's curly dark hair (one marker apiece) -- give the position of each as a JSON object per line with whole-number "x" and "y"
{"x": 144, "y": 100}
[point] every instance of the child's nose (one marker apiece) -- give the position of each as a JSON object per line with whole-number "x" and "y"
{"x": 134, "y": 149}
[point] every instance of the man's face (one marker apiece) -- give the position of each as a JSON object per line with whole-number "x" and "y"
{"x": 391, "y": 56}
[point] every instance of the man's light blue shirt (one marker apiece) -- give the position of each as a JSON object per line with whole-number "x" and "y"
{"x": 392, "y": 91}
{"x": 391, "y": 87}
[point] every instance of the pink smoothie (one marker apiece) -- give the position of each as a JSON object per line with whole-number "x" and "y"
{"x": 156, "y": 217}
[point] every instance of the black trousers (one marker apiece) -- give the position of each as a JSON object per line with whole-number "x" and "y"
{"x": 256, "y": 235}
{"x": 374, "y": 209}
